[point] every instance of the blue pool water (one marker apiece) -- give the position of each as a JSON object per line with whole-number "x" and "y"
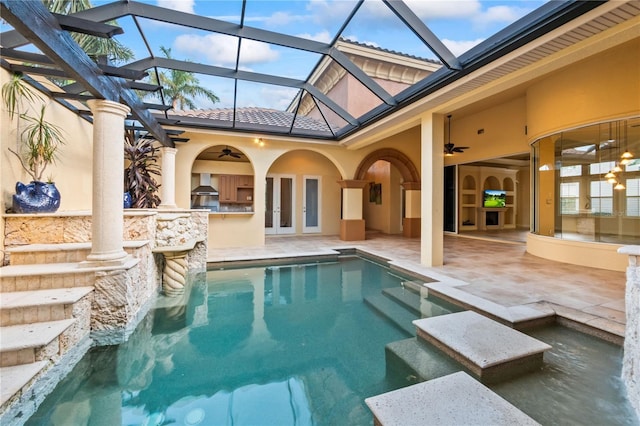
{"x": 302, "y": 345}
{"x": 255, "y": 346}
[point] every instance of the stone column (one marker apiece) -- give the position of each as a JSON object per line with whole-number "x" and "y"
{"x": 432, "y": 204}
{"x": 631, "y": 358}
{"x": 168, "y": 188}
{"x": 411, "y": 220}
{"x": 108, "y": 178}
{"x": 352, "y": 223}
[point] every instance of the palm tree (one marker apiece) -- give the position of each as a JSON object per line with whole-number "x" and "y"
{"x": 93, "y": 46}
{"x": 182, "y": 86}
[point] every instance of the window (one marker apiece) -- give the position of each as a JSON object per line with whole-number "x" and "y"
{"x": 566, "y": 171}
{"x": 569, "y": 197}
{"x": 601, "y": 168}
{"x": 601, "y": 198}
{"x": 633, "y": 197}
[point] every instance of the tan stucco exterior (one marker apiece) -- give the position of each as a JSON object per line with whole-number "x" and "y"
{"x": 592, "y": 81}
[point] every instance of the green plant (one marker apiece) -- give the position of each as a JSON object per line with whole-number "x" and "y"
{"x": 142, "y": 158}
{"x": 38, "y": 141}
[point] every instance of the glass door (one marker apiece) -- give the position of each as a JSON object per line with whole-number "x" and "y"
{"x": 311, "y": 208}
{"x": 280, "y": 201}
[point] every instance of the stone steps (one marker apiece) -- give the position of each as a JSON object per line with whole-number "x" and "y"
{"x": 416, "y": 361}
{"x": 26, "y": 307}
{"x": 16, "y": 377}
{"x": 30, "y": 254}
{"x": 28, "y": 343}
{"x": 51, "y": 275}
{"x": 394, "y": 312}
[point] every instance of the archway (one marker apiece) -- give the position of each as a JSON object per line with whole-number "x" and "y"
{"x": 405, "y": 199}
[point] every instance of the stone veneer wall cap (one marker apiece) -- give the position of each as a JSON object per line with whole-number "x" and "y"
{"x": 172, "y": 216}
{"x": 67, "y": 213}
{"x": 630, "y": 250}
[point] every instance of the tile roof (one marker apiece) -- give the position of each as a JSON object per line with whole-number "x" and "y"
{"x": 256, "y": 116}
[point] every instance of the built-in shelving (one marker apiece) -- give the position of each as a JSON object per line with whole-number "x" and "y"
{"x": 473, "y": 181}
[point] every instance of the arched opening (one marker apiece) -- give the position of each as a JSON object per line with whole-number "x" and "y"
{"x": 391, "y": 197}
{"x": 222, "y": 180}
{"x": 301, "y": 196}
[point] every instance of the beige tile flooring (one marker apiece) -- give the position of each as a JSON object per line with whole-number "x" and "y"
{"x": 501, "y": 272}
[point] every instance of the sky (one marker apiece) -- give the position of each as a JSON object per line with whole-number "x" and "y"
{"x": 460, "y": 25}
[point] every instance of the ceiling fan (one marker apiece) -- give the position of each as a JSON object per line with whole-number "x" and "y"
{"x": 450, "y": 148}
{"x": 228, "y": 152}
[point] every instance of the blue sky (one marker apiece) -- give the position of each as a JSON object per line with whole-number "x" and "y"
{"x": 460, "y": 24}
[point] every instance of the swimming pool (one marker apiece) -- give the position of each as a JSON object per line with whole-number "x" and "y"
{"x": 297, "y": 345}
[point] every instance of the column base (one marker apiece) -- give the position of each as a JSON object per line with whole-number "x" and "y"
{"x": 411, "y": 227}
{"x": 352, "y": 230}
{"x": 115, "y": 257}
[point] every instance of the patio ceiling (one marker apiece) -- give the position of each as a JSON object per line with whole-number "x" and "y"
{"x": 41, "y": 47}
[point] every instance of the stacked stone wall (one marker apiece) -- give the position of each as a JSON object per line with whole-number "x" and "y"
{"x": 631, "y": 360}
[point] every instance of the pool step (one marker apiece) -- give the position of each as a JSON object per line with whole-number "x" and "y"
{"x": 490, "y": 350}
{"x": 420, "y": 305}
{"x": 397, "y": 314}
{"x": 455, "y": 399}
{"x": 16, "y": 377}
{"x": 31, "y": 254}
{"x": 26, "y": 307}
{"x": 28, "y": 343}
{"x": 405, "y": 297}
{"x": 416, "y": 361}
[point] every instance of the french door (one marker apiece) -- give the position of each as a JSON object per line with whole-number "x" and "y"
{"x": 311, "y": 208}
{"x": 280, "y": 202}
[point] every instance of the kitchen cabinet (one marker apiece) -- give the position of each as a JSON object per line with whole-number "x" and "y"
{"x": 235, "y": 189}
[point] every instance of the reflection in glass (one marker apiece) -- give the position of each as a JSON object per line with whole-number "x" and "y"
{"x": 586, "y": 183}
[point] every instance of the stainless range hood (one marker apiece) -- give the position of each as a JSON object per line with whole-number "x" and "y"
{"x": 205, "y": 187}
{"x": 205, "y": 196}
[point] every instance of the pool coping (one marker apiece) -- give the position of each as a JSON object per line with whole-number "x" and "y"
{"x": 436, "y": 284}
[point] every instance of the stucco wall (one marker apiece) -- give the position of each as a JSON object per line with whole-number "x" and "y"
{"x": 599, "y": 88}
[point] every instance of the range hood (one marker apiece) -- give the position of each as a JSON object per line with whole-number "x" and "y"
{"x": 205, "y": 187}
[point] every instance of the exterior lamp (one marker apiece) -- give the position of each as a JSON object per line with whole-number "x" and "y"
{"x": 617, "y": 168}
{"x": 619, "y": 186}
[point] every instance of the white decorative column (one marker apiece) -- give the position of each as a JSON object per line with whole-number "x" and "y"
{"x": 432, "y": 224}
{"x": 631, "y": 358}
{"x": 168, "y": 188}
{"x": 108, "y": 178}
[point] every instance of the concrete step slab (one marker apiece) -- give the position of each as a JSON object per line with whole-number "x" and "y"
{"x": 519, "y": 317}
{"x": 14, "y": 378}
{"x": 456, "y": 399}
{"x": 490, "y": 350}
{"x": 30, "y": 254}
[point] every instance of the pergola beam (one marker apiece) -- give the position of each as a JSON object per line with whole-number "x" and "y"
{"x": 423, "y": 32}
{"x": 40, "y": 27}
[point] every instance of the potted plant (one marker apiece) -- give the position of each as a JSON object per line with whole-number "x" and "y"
{"x": 37, "y": 143}
{"x": 141, "y": 158}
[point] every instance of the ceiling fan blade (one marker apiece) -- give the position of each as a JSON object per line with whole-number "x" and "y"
{"x": 234, "y": 155}
{"x": 221, "y": 155}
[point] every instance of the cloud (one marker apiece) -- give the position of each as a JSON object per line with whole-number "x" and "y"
{"x": 178, "y": 5}
{"x": 458, "y": 47}
{"x": 322, "y": 36}
{"x": 428, "y": 10}
{"x": 499, "y": 15}
{"x": 220, "y": 49}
